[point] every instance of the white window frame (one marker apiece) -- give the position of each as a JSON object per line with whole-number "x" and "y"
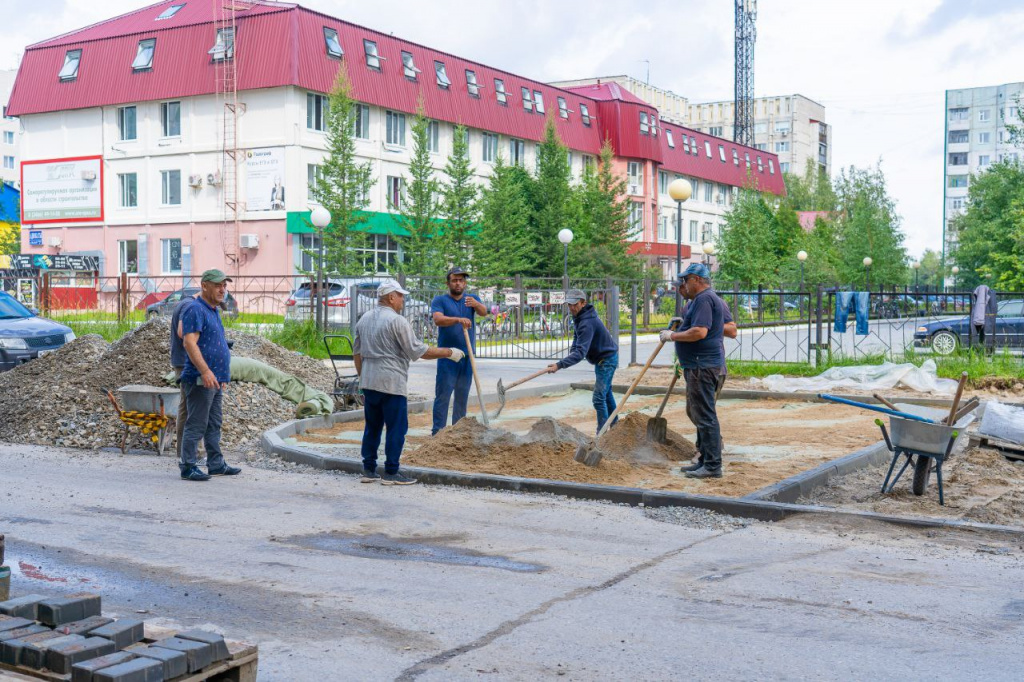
{"x": 395, "y": 192}
{"x": 671, "y": 139}
{"x": 538, "y": 101}
{"x": 662, "y": 183}
{"x": 735, "y": 157}
{"x": 636, "y": 226}
{"x": 635, "y": 175}
{"x": 516, "y": 152}
{"x": 707, "y": 149}
{"x": 72, "y": 62}
{"x": 224, "y": 46}
{"x": 9, "y": 137}
{"x": 694, "y": 230}
{"x": 394, "y": 129}
{"x": 527, "y": 101}
{"x": 332, "y": 43}
{"x": 585, "y": 114}
{"x": 409, "y": 68}
{"x": 122, "y": 257}
{"x": 165, "y": 256}
{"x": 771, "y": 166}
{"x": 984, "y": 160}
{"x": 314, "y": 175}
{"x": 166, "y": 130}
{"x": 317, "y": 106}
{"x": 170, "y": 12}
{"x": 721, "y": 153}
{"x": 373, "y": 58}
{"x": 361, "y": 122}
{"x": 443, "y": 81}
{"x": 472, "y": 86}
{"x": 167, "y": 187}
{"x": 499, "y": 92}
{"x": 984, "y": 114}
{"x": 563, "y": 108}
{"x": 122, "y": 113}
{"x": 9, "y": 162}
{"x": 434, "y": 137}
{"x": 782, "y": 147}
{"x": 985, "y": 138}
{"x": 490, "y": 147}
{"x": 645, "y": 127}
{"x": 144, "y": 55}
{"x": 124, "y": 193}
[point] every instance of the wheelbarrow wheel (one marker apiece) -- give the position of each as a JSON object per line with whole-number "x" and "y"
{"x": 922, "y": 472}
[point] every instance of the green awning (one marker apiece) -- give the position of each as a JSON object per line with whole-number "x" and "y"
{"x": 376, "y": 223}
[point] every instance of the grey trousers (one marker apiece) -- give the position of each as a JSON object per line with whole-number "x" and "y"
{"x": 203, "y": 424}
{"x": 179, "y": 424}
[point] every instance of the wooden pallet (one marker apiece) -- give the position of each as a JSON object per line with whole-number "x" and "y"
{"x": 1008, "y": 450}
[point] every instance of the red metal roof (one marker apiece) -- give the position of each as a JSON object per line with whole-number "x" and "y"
{"x": 606, "y": 92}
{"x": 766, "y": 176}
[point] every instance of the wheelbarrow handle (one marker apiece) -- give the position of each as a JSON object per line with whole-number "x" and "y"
{"x": 876, "y": 408}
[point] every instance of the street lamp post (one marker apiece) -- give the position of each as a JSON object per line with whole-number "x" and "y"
{"x": 709, "y": 249}
{"x": 321, "y": 218}
{"x": 565, "y": 236}
{"x": 680, "y": 190}
{"x": 955, "y": 271}
{"x": 867, "y": 272}
{"x": 916, "y": 265}
{"x": 802, "y": 256}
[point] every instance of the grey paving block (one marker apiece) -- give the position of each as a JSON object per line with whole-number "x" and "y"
{"x": 199, "y": 654}
{"x": 122, "y": 633}
{"x": 135, "y": 670}
{"x": 220, "y": 647}
{"x": 18, "y": 633}
{"x": 25, "y": 606}
{"x": 61, "y": 657}
{"x": 34, "y": 653}
{"x": 82, "y": 672}
{"x": 10, "y": 651}
{"x": 175, "y": 662}
{"x": 54, "y": 612}
{"x": 81, "y": 627}
{"x": 13, "y": 622}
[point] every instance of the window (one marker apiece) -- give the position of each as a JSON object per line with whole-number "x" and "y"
{"x": 9, "y": 162}
{"x": 516, "y": 152}
{"x": 588, "y": 163}
{"x": 735, "y": 156}
{"x": 686, "y": 144}
{"x": 170, "y": 188}
{"x": 636, "y": 220}
{"x": 568, "y": 159}
{"x": 695, "y": 184}
{"x": 771, "y": 166}
{"x": 442, "y": 75}
{"x": 693, "y": 146}
{"x": 170, "y": 256}
{"x": 361, "y": 122}
{"x": 527, "y": 102}
{"x": 224, "y": 47}
{"x": 409, "y": 66}
{"x": 707, "y": 148}
{"x": 128, "y": 257}
{"x": 645, "y": 128}
{"x": 170, "y": 119}
{"x": 499, "y": 91}
{"x": 706, "y": 234}
{"x": 957, "y": 203}
{"x": 1012, "y": 114}
{"x": 585, "y": 114}
{"x": 958, "y": 181}
{"x": 563, "y": 108}
{"x": 314, "y": 174}
{"x": 761, "y": 146}
{"x": 715, "y": 131}
{"x": 69, "y": 71}
{"x": 746, "y": 158}
{"x": 784, "y": 167}
{"x": 8, "y": 137}
{"x": 984, "y": 138}
{"x": 538, "y": 101}
{"x": 654, "y": 125}
{"x": 671, "y": 140}
{"x": 170, "y": 12}
{"x": 395, "y": 129}
{"x": 693, "y": 231}
{"x": 721, "y": 152}
{"x": 129, "y": 190}
{"x": 959, "y": 114}
{"x": 663, "y": 227}
{"x": 434, "y": 136}
{"x": 536, "y": 158}
{"x": 395, "y": 192}
{"x": 382, "y": 256}
{"x": 958, "y": 159}
{"x": 636, "y": 177}
{"x": 316, "y": 111}
{"x": 144, "y": 55}
{"x": 783, "y": 127}
{"x": 984, "y": 160}
{"x": 984, "y": 114}
{"x": 490, "y": 147}
{"x": 332, "y": 43}
{"x": 781, "y": 147}
{"x": 471, "y": 84}
{"x": 709, "y": 192}
{"x": 373, "y": 58}
{"x": 126, "y": 118}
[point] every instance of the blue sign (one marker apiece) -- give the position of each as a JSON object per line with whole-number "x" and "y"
{"x": 35, "y": 237}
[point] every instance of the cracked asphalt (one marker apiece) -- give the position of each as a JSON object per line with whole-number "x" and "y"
{"x": 339, "y": 580}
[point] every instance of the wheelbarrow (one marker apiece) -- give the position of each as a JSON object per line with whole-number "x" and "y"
{"x": 151, "y": 409}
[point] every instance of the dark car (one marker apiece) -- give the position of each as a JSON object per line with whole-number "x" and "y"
{"x": 166, "y": 306}
{"x": 24, "y": 335}
{"x": 946, "y": 335}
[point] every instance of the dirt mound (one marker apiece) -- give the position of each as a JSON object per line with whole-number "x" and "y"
{"x": 549, "y": 430}
{"x": 627, "y": 440}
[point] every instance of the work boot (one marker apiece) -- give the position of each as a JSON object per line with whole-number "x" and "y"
{"x": 703, "y": 472}
{"x": 193, "y": 474}
{"x": 369, "y": 476}
{"x": 692, "y": 467}
{"x": 396, "y": 478}
{"x": 226, "y": 470}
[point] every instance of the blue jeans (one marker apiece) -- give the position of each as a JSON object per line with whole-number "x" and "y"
{"x": 858, "y": 302}
{"x": 452, "y": 377}
{"x": 604, "y": 401}
{"x": 202, "y": 424}
{"x": 382, "y": 410}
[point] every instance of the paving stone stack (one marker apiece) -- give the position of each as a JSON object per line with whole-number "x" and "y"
{"x": 68, "y": 638}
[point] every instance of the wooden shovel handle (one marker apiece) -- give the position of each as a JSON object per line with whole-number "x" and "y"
{"x": 476, "y": 377}
{"x": 525, "y": 379}
{"x": 956, "y": 399}
{"x": 668, "y": 393}
{"x": 884, "y": 401}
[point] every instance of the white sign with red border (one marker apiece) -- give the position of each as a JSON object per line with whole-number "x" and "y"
{"x": 62, "y": 190}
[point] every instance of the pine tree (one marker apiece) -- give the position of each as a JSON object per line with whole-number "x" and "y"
{"x": 747, "y": 249}
{"x": 552, "y": 202}
{"x": 418, "y": 216}
{"x": 344, "y": 185}
{"x": 601, "y": 247}
{"x": 503, "y": 246}
{"x": 459, "y": 201}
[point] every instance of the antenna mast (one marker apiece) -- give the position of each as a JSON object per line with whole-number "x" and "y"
{"x": 746, "y": 36}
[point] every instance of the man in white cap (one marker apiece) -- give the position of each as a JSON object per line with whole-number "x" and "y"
{"x": 383, "y": 348}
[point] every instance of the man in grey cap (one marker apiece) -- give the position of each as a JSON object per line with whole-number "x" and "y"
{"x": 384, "y": 346}
{"x": 591, "y": 340}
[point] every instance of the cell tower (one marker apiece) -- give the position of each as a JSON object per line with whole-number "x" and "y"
{"x": 746, "y": 36}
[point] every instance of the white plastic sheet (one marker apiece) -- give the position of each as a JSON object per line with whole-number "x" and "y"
{"x": 865, "y": 377}
{"x": 1004, "y": 422}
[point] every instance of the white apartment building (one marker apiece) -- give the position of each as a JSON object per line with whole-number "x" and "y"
{"x": 975, "y": 137}
{"x": 9, "y": 138}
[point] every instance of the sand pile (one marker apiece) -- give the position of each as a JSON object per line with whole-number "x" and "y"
{"x": 58, "y": 400}
{"x": 627, "y": 440}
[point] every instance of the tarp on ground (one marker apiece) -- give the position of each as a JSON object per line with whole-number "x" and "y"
{"x": 865, "y": 377}
{"x": 309, "y": 401}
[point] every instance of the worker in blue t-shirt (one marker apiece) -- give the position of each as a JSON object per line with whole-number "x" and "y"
{"x": 453, "y": 312}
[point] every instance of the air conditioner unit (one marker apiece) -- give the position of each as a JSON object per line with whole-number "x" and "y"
{"x": 55, "y": 242}
{"x": 213, "y": 179}
{"x": 784, "y": 133}
{"x": 88, "y": 175}
{"x": 249, "y": 241}
{"x": 720, "y": 199}
{"x": 195, "y": 181}
{"x": 634, "y": 189}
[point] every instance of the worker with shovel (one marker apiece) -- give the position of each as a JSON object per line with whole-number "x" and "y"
{"x": 701, "y": 354}
{"x": 591, "y": 340}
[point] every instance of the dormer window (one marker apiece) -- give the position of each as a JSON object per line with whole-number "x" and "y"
{"x": 735, "y": 156}
{"x": 538, "y": 101}
{"x": 645, "y": 127}
{"x": 654, "y": 125}
{"x": 686, "y": 144}
{"x": 563, "y": 108}
{"x": 224, "y": 47}
{"x": 499, "y": 91}
{"x": 671, "y": 140}
{"x": 760, "y": 165}
{"x": 409, "y": 66}
{"x": 721, "y": 152}
{"x": 332, "y": 43}
{"x": 585, "y": 114}
{"x": 170, "y": 12}
{"x": 707, "y": 148}
{"x": 527, "y": 102}
{"x": 746, "y": 155}
{"x": 442, "y": 75}
{"x": 771, "y": 166}
{"x": 373, "y": 57}
{"x": 144, "y": 55}
{"x": 69, "y": 71}
{"x": 471, "y": 84}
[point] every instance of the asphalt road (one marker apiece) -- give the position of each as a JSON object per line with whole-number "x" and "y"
{"x": 339, "y": 580}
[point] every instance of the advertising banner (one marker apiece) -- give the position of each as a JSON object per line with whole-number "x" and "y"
{"x": 264, "y": 179}
{"x": 62, "y": 190}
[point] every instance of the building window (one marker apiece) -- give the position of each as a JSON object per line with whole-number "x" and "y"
{"x": 395, "y": 129}
{"x": 471, "y": 84}
{"x": 314, "y": 174}
{"x": 170, "y": 256}
{"x": 671, "y": 140}
{"x": 490, "y": 147}
{"x": 709, "y": 192}
{"x": 771, "y": 166}
{"x": 958, "y": 159}
{"x": 568, "y": 159}
{"x": 636, "y": 220}
{"x": 434, "y": 136}
{"x": 984, "y": 138}
{"x": 695, "y": 184}
{"x": 396, "y": 190}
{"x": 958, "y": 136}
{"x": 654, "y": 125}
{"x": 588, "y": 163}
{"x": 361, "y": 122}
{"x": 9, "y": 137}
{"x": 69, "y": 71}
{"x": 170, "y": 119}
{"x": 984, "y": 114}
{"x": 663, "y": 228}
{"x": 9, "y": 162}
{"x": 784, "y": 166}
{"x": 170, "y": 12}
{"x": 693, "y": 231}
{"x": 126, "y": 119}
{"x": 645, "y": 128}
{"x": 662, "y": 182}
{"x": 499, "y": 91}
{"x": 984, "y": 160}
{"x": 538, "y": 101}
{"x": 170, "y": 188}
{"x": 316, "y": 111}
{"x": 409, "y": 66}
{"x": 585, "y": 114}
{"x": 781, "y": 147}
{"x": 959, "y": 114}
{"x": 144, "y": 55}
{"x": 735, "y": 156}
{"x": 760, "y": 165}
{"x": 706, "y": 233}
{"x": 332, "y": 43}
{"x": 373, "y": 58}
{"x": 527, "y": 102}
{"x": 517, "y": 152}
{"x": 746, "y": 158}
{"x": 224, "y": 47}
{"x": 382, "y": 256}
{"x": 636, "y": 177}
{"x": 686, "y": 144}
{"x": 715, "y": 131}
{"x": 442, "y": 75}
{"x": 958, "y": 203}
{"x": 721, "y": 152}
{"x": 563, "y": 108}
{"x": 129, "y": 186}
{"x": 128, "y": 257}
{"x": 761, "y": 146}
{"x": 958, "y": 181}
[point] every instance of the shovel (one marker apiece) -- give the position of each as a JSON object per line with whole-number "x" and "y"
{"x": 657, "y": 426}
{"x": 476, "y": 378}
{"x": 502, "y": 389}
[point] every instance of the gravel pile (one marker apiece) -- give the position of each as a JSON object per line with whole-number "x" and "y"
{"x": 58, "y": 400}
{"x": 694, "y": 517}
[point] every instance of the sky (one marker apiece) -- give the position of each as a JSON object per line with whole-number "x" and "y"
{"x": 880, "y": 67}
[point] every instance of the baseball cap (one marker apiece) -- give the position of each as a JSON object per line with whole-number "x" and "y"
{"x": 698, "y": 269}
{"x": 456, "y": 271}
{"x": 574, "y": 296}
{"x": 390, "y": 286}
{"x": 216, "y": 276}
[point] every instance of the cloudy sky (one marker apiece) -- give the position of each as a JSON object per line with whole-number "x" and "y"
{"x": 879, "y": 66}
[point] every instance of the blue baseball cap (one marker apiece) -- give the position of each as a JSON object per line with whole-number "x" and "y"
{"x": 698, "y": 269}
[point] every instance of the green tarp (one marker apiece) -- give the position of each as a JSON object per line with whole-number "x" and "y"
{"x": 309, "y": 401}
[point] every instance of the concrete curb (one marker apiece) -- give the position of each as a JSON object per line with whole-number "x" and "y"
{"x": 795, "y": 487}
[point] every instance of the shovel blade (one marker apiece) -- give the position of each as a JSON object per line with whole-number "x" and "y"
{"x": 588, "y": 455}
{"x": 657, "y": 430}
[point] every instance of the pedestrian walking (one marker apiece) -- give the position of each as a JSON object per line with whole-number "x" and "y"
{"x": 207, "y": 371}
{"x": 592, "y": 341}
{"x": 453, "y": 312}
{"x": 178, "y": 357}
{"x": 384, "y": 346}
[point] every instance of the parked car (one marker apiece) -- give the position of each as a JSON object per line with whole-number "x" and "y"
{"x": 339, "y": 292}
{"x": 165, "y": 307}
{"x": 24, "y": 335}
{"x": 946, "y": 335}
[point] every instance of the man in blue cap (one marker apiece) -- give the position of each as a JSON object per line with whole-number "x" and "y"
{"x": 701, "y": 354}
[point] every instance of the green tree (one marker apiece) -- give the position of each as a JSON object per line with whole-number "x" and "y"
{"x": 344, "y": 185}
{"x": 748, "y": 248}
{"x": 503, "y": 246}
{"x": 822, "y": 247}
{"x": 552, "y": 202}
{"x": 991, "y": 230}
{"x": 459, "y": 201}
{"x": 813, "y": 191}
{"x": 867, "y": 225}
{"x": 419, "y": 210}
{"x": 930, "y": 274}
